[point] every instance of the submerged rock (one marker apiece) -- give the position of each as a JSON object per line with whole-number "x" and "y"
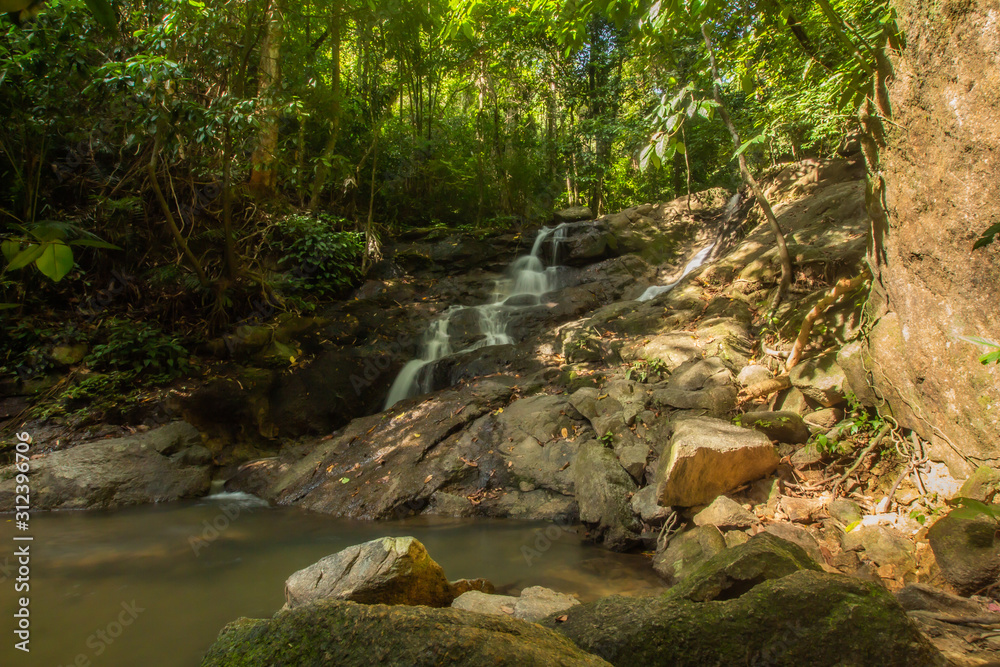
{"x": 709, "y": 457}
{"x": 347, "y": 634}
{"x": 390, "y": 570}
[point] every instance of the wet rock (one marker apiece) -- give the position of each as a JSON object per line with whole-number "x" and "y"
{"x": 725, "y": 513}
{"x": 335, "y": 632}
{"x": 113, "y": 473}
{"x": 390, "y": 570}
{"x": 687, "y": 551}
{"x": 805, "y": 619}
{"x": 822, "y": 380}
{"x": 67, "y": 355}
{"x": 779, "y": 426}
{"x": 732, "y": 572}
{"x": 533, "y": 604}
{"x": 922, "y": 597}
{"x": 968, "y": 551}
{"x": 603, "y": 491}
{"x": 709, "y": 457}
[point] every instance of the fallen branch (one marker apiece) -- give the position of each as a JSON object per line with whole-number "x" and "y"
{"x": 844, "y": 286}
{"x": 766, "y": 387}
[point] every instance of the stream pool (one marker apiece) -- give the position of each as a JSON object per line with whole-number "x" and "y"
{"x": 152, "y": 586}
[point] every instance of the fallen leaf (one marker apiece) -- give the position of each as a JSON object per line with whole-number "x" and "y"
{"x": 562, "y": 619}
{"x": 507, "y": 610}
{"x": 428, "y": 478}
{"x": 565, "y": 433}
{"x": 345, "y": 480}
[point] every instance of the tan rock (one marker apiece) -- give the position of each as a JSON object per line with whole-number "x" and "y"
{"x": 709, "y": 457}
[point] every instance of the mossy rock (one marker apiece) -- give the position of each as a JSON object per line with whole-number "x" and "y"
{"x": 803, "y": 620}
{"x": 347, "y": 634}
{"x": 734, "y": 571}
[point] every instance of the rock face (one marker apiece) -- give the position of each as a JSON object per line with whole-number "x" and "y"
{"x": 821, "y": 379}
{"x": 147, "y": 468}
{"x": 534, "y": 603}
{"x": 942, "y": 195}
{"x": 604, "y": 491}
{"x": 390, "y": 570}
{"x": 687, "y": 551}
{"x": 967, "y": 550}
{"x": 354, "y": 635}
{"x": 804, "y": 619}
{"x": 709, "y": 457}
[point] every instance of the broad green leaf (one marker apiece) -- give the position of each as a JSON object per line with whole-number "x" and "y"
{"x": 748, "y": 143}
{"x": 55, "y": 261}
{"x": 10, "y": 249}
{"x": 979, "y": 340}
{"x": 8, "y": 306}
{"x": 680, "y": 147}
{"x": 25, "y": 257}
{"x": 988, "y": 237}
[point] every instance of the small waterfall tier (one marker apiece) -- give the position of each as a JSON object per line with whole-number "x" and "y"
{"x": 528, "y": 278}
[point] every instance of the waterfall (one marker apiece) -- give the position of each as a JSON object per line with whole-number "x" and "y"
{"x": 656, "y": 290}
{"x": 732, "y": 208}
{"x": 527, "y": 279}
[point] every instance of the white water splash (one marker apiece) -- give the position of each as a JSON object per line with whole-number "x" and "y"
{"x": 528, "y": 278}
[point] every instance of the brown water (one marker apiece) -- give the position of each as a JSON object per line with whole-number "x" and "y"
{"x": 152, "y": 586}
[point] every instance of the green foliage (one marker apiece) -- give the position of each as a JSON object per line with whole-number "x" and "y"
{"x": 972, "y": 509}
{"x": 645, "y": 370}
{"x": 48, "y": 245}
{"x": 988, "y": 237}
{"x": 141, "y": 349}
{"x": 991, "y": 357}
{"x": 317, "y": 258}
{"x": 608, "y": 439}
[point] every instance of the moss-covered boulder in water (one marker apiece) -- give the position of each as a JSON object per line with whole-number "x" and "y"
{"x": 805, "y": 619}
{"x": 347, "y": 634}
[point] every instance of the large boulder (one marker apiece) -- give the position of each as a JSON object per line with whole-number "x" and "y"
{"x": 709, "y": 457}
{"x": 805, "y": 619}
{"x": 734, "y": 571}
{"x": 942, "y": 194}
{"x": 604, "y": 490}
{"x": 821, "y": 380}
{"x": 967, "y": 550}
{"x": 347, "y": 634}
{"x": 148, "y": 468}
{"x": 390, "y": 570}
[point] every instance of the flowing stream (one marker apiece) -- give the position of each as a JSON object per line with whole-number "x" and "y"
{"x": 152, "y": 586}
{"x": 528, "y": 278}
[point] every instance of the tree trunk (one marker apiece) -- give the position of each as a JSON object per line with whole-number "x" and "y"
{"x": 779, "y": 237}
{"x": 263, "y": 176}
{"x": 330, "y": 150}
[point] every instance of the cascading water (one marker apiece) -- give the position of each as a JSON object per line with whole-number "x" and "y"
{"x": 528, "y": 278}
{"x": 732, "y": 206}
{"x": 656, "y": 290}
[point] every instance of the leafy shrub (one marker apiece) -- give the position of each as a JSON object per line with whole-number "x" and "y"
{"x": 318, "y": 259}
{"x": 141, "y": 349}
